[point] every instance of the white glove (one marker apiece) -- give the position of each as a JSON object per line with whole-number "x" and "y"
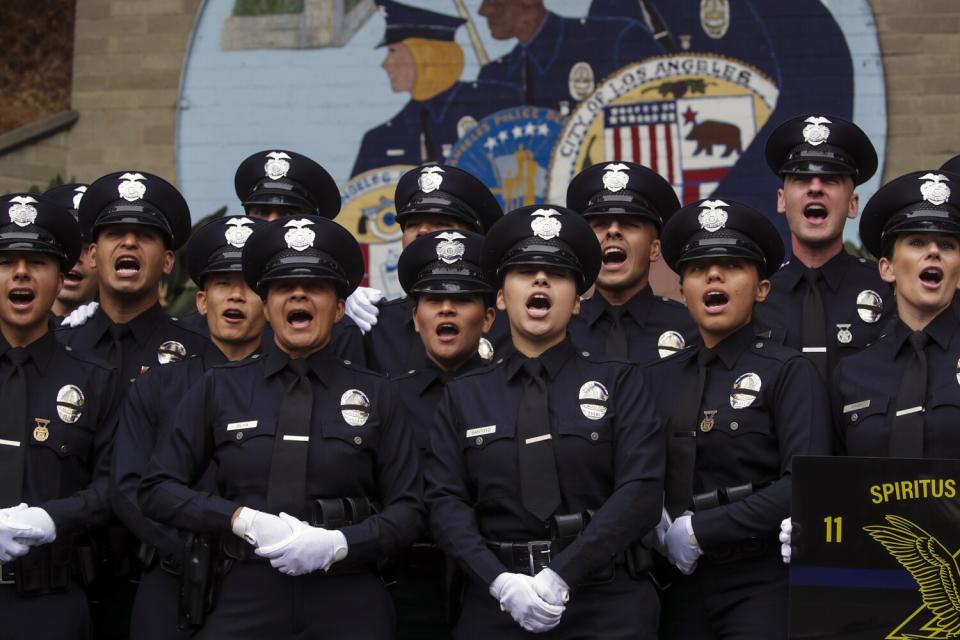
{"x": 38, "y": 524}
{"x": 661, "y": 530}
{"x": 261, "y": 529}
{"x": 80, "y": 315}
{"x": 362, "y": 307}
{"x": 519, "y": 598}
{"x": 310, "y": 549}
{"x": 551, "y": 587}
{"x": 10, "y": 548}
{"x": 786, "y": 535}
{"x": 683, "y": 550}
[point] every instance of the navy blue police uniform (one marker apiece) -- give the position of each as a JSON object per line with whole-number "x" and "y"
{"x": 392, "y": 345}
{"x": 855, "y": 302}
{"x": 441, "y": 263}
{"x": 149, "y": 407}
{"x": 735, "y": 414}
{"x": 54, "y": 446}
{"x": 652, "y": 327}
{"x": 900, "y": 397}
{"x": 360, "y": 471}
{"x": 606, "y": 463}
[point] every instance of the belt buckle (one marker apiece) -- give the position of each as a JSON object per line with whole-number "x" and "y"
{"x": 6, "y": 575}
{"x": 538, "y": 555}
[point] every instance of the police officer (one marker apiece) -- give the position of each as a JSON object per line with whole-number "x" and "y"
{"x": 234, "y": 316}
{"x": 453, "y": 308}
{"x": 316, "y": 472}
{"x": 547, "y": 465}
{"x": 824, "y": 302}
{"x": 430, "y": 198}
{"x": 627, "y": 204}
{"x": 738, "y": 406}
{"x": 59, "y": 412}
{"x": 80, "y": 282}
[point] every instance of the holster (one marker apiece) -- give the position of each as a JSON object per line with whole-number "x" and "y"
{"x": 198, "y": 580}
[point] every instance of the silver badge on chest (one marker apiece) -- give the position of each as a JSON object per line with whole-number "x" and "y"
{"x": 299, "y": 237}
{"x": 430, "y": 179}
{"x": 582, "y": 81}
{"x": 130, "y": 187}
{"x": 669, "y": 343}
{"x": 712, "y": 217}
{"x": 545, "y": 224}
{"x": 615, "y": 176}
{"x": 238, "y": 231}
{"x": 816, "y": 131}
{"x": 355, "y": 407}
{"x": 171, "y": 351}
{"x": 935, "y": 189}
{"x": 22, "y": 212}
{"x": 869, "y": 306}
{"x": 277, "y": 166}
{"x": 485, "y": 349}
{"x": 450, "y": 249}
{"x": 70, "y": 402}
{"x": 745, "y": 391}
{"x": 844, "y": 335}
{"x": 715, "y": 17}
{"x": 593, "y": 400}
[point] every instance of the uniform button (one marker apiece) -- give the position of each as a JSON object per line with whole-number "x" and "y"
{"x": 734, "y": 426}
{"x": 412, "y": 371}
{"x": 854, "y": 417}
{"x": 357, "y": 440}
{"x": 586, "y": 354}
{"x": 479, "y": 441}
{"x": 240, "y": 435}
{"x": 594, "y": 436}
{"x": 759, "y": 345}
{"x": 346, "y": 362}
{"x": 63, "y": 448}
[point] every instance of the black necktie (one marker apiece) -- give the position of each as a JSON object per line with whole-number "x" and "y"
{"x": 527, "y": 76}
{"x": 115, "y": 352}
{"x": 906, "y": 433}
{"x": 813, "y": 333}
{"x": 539, "y": 484}
{"x": 13, "y": 426}
{"x": 616, "y": 337}
{"x": 286, "y": 490}
{"x": 682, "y": 442}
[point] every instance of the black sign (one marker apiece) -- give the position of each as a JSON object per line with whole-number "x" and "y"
{"x": 875, "y": 548}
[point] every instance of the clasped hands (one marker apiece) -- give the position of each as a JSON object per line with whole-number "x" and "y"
{"x": 292, "y": 546}
{"x": 22, "y": 527}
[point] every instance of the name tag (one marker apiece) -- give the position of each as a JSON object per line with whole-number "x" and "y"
{"x": 236, "y": 426}
{"x": 856, "y": 406}
{"x": 481, "y": 431}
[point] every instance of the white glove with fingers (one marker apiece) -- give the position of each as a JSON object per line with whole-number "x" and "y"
{"x": 38, "y": 524}
{"x": 261, "y": 529}
{"x": 79, "y": 316}
{"x": 310, "y": 549}
{"x": 519, "y": 598}
{"x": 10, "y": 547}
{"x": 362, "y": 307}
{"x": 786, "y": 538}
{"x": 551, "y": 587}
{"x": 683, "y": 550}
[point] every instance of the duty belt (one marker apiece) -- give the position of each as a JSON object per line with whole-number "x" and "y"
{"x": 149, "y": 555}
{"x": 45, "y": 569}
{"x": 726, "y": 495}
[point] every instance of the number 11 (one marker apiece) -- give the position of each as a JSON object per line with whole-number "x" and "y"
{"x": 834, "y": 526}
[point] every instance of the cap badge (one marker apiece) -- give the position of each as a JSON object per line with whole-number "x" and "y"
{"x": 237, "y": 231}
{"x": 131, "y": 190}
{"x": 299, "y": 237}
{"x": 669, "y": 343}
{"x": 935, "y": 191}
{"x": 745, "y": 390}
{"x": 70, "y": 403}
{"x": 593, "y": 400}
{"x": 450, "y": 249}
{"x": 430, "y": 179}
{"x": 544, "y": 224}
{"x": 277, "y": 165}
{"x": 815, "y": 132}
{"x": 22, "y": 212}
{"x": 78, "y": 195}
{"x": 712, "y": 218}
{"x": 355, "y": 407}
{"x": 614, "y": 176}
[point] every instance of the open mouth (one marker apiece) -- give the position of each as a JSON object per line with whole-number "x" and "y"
{"x": 21, "y": 297}
{"x": 234, "y": 316}
{"x": 715, "y": 301}
{"x": 72, "y": 278}
{"x": 538, "y": 305}
{"x": 448, "y": 331}
{"x": 126, "y": 266}
{"x": 614, "y": 256}
{"x": 299, "y": 319}
{"x": 931, "y": 276}
{"x": 815, "y": 212}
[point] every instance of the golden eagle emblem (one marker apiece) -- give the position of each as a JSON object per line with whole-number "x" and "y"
{"x": 933, "y": 568}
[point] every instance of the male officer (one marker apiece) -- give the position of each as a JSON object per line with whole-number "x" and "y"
{"x": 430, "y": 198}
{"x": 80, "y": 283}
{"x": 824, "y": 302}
{"x": 453, "y": 308}
{"x": 136, "y": 221}
{"x": 738, "y": 406}
{"x": 59, "y": 414}
{"x": 626, "y": 205}
{"x": 234, "y": 317}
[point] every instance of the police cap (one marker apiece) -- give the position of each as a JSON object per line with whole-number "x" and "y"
{"x": 135, "y": 197}
{"x": 717, "y": 228}
{"x": 68, "y": 196}
{"x": 446, "y": 191}
{"x": 952, "y": 165}
{"x": 444, "y": 262}
{"x": 541, "y": 235}
{"x": 302, "y": 247}
{"x": 404, "y": 21}
{"x": 921, "y": 201}
{"x": 814, "y": 144}
{"x": 622, "y": 188}
{"x": 216, "y": 247}
{"x": 288, "y": 179}
{"x": 30, "y": 222}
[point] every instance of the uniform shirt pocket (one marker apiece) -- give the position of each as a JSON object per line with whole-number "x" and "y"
{"x": 65, "y": 440}
{"x": 239, "y": 432}
{"x": 858, "y": 412}
{"x": 365, "y": 436}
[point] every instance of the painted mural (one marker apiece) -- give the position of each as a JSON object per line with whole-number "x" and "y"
{"x": 521, "y": 93}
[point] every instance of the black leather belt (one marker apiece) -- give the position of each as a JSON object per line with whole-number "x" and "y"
{"x": 726, "y": 495}
{"x": 524, "y": 557}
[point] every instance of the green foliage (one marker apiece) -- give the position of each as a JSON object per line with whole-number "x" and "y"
{"x": 857, "y": 250}
{"x": 266, "y": 7}
{"x": 55, "y": 181}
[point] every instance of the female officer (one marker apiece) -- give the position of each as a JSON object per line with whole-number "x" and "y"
{"x": 738, "y": 407}
{"x": 547, "y": 465}
{"x": 299, "y": 433}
